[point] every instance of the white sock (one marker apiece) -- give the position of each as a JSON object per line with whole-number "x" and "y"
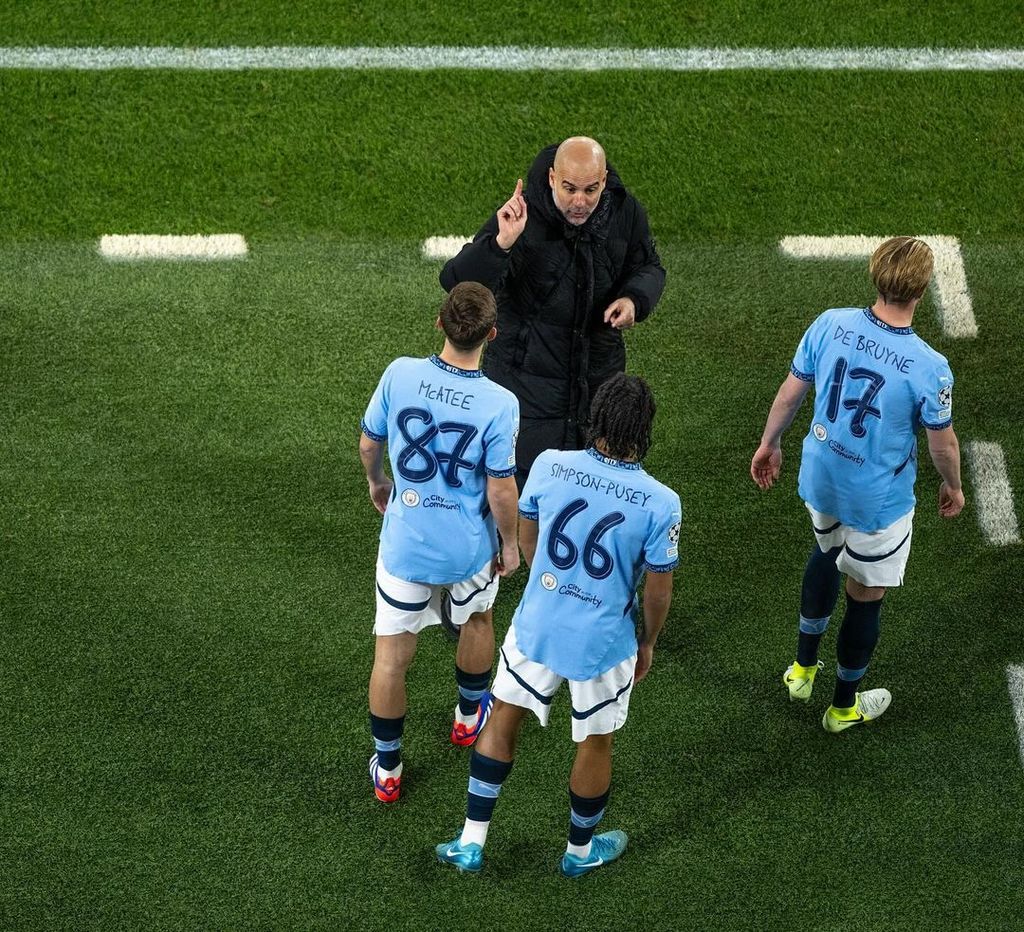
{"x": 474, "y": 833}
{"x": 466, "y": 720}
{"x": 581, "y": 851}
{"x": 389, "y": 774}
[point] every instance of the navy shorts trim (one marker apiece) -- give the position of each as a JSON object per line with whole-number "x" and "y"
{"x": 533, "y": 692}
{"x": 580, "y": 716}
{"x": 828, "y": 530}
{"x": 403, "y": 606}
{"x": 866, "y": 559}
{"x": 474, "y": 593}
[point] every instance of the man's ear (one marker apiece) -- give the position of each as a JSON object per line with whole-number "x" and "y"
{"x": 551, "y": 178}
{"x": 437, "y": 323}
{"x": 492, "y": 334}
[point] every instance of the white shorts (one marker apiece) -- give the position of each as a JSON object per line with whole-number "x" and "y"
{"x": 404, "y": 606}
{"x": 599, "y": 705}
{"x": 875, "y": 559}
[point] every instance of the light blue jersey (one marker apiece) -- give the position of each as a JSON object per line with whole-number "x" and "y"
{"x": 602, "y": 523}
{"x": 874, "y": 386}
{"x": 447, "y": 430}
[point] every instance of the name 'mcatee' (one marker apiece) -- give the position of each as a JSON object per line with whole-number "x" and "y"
{"x": 446, "y": 395}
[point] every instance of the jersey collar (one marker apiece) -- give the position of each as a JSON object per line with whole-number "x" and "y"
{"x": 608, "y": 461}
{"x": 881, "y": 323}
{"x": 455, "y": 370}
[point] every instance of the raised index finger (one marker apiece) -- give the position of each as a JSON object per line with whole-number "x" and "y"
{"x": 519, "y": 188}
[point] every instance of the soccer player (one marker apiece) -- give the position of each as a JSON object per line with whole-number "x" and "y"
{"x": 451, "y": 436}
{"x": 592, "y": 522}
{"x": 876, "y": 383}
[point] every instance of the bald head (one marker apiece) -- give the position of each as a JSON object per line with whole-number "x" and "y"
{"x": 580, "y": 153}
{"x": 578, "y": 178}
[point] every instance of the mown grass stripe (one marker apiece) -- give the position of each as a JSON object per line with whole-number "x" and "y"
{"x": 509, "y": 58}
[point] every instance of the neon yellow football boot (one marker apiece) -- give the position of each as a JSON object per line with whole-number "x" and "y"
{"x": 800, "y": 680}
{"x": 868, "y": 706}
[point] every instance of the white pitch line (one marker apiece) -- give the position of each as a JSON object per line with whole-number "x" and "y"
{"x": 444, "y": 247}
{"x": 992, "y": 493}
{"x": 143, "y": 246}
{"x": 949, "y": 283}
{"x": 509, "y": 58}
{"x": 1015, "y": 679}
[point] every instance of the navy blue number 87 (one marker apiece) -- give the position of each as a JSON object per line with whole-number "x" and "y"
{"x": 563, "y": 552}
{"x": 417, "y": 463}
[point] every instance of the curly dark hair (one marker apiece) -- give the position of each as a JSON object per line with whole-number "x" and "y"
{"x": 621, "y": 416}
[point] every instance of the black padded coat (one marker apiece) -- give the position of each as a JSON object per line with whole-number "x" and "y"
{"x": 553, "y": 347}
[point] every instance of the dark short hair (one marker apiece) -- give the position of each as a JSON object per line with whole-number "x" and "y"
{"x": 468, "y": 314}
{"x": 621, "y": 415}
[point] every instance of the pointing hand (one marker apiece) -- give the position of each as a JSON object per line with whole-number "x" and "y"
{"x": 512, "y": 218}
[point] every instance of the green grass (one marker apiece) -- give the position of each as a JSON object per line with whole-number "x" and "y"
{"x": 967, "y": 23}
{"x": 188, "y": 588}
{"x": 186, "y": 537}
{"x": 733, "y": 155}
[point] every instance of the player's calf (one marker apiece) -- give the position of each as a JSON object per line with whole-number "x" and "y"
{"x": 486, "y": 776}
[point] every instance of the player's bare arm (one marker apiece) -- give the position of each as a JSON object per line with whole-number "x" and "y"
{"x": 528, "y": 532}
{"x": 371, "y": 452}
{"x": 767, "y": 461}
{"x": 657, "y": 600}
{"x": 512, "y": 218}
{"x": 503, "y": 497}
{"x": 944, "y": 448}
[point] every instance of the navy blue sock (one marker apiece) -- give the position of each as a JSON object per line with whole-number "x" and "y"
{"x": 857, "y": 639}
{"x": 387, "y": 738}
{"x": 471, "y": 687}
{"x": 817, "y": 601}
{"x": 584, "y": 814}
{"x": 485, "y": 778}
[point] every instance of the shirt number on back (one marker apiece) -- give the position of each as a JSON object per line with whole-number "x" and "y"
{"x": 563, "y": 552}
{"x": 418, "y": 463}
{"x": 861, "y": 407}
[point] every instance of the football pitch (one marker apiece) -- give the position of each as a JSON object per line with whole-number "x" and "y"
{"x": 188, "y": 545}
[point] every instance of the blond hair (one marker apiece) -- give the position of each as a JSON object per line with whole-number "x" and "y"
{"x": 901, "y": 269}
